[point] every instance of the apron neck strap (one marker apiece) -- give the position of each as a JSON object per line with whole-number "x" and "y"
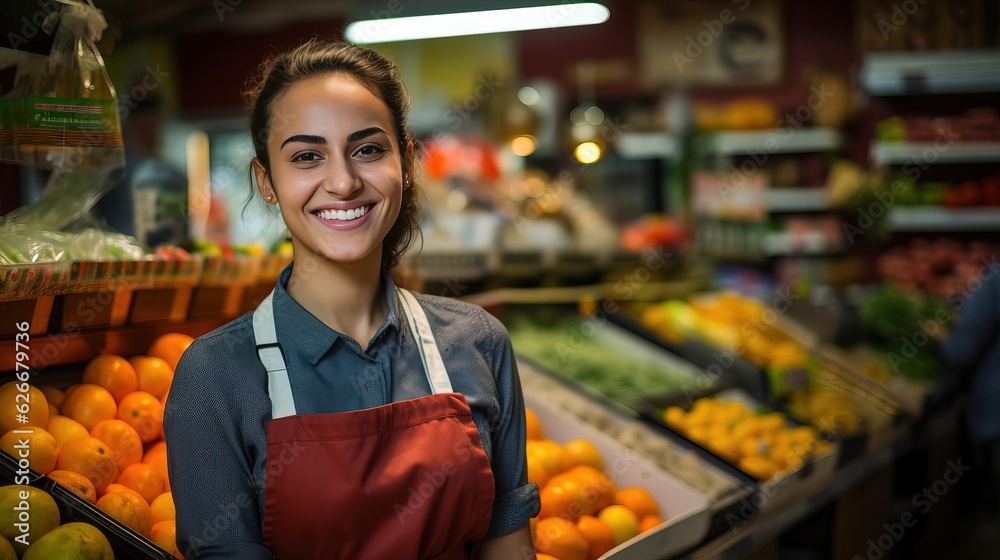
{"x": 437, "y": 375}
{"x": 279, "y": 389}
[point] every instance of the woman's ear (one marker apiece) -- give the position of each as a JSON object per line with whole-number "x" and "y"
{"x": 264, "y": 182}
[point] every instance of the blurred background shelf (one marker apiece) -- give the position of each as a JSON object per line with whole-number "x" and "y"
{"x": 775, "y": 141}
{"x": 647, "y": 145}
{"x": 796, "y": 199}
{"x": 941, "y": 72}
{"x": 944, "y": 219}
{"x": 884, "y": 153}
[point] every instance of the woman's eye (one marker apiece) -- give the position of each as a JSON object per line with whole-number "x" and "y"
{"x": 306, "y": 157}
{"x": 370, "y": 151}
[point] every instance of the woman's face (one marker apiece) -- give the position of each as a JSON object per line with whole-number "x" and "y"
{"x": 336, "y": 167}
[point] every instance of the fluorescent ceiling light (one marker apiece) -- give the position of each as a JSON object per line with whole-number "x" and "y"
{"x": 403, "y": 28}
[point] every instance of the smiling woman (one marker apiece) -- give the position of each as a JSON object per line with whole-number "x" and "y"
{"x": 342, "y": 396}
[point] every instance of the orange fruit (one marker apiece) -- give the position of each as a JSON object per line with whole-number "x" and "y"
{"x": 156, "y": 456}
{"x": 560, "y": 538}
{"x": 40, "y": 447}
{"x": 141, "y": 478}
{"x": 130, "y": 509}
{"x": 65, "y": 429}
{"x": 558, "y": 501}
{"x": 76, "y": 483}
{"x": 547, "y": 452}
{"x": 155, "y": 375}
{"x": 164, "y": 535}
{"x": 162, "y": 508}
{"x": 543, "y": 556}
{"x": 582, "y": 452}
{"x": 115, "y": 487}
{"x": 597, "y": 533}
{"x": 53, "y": 395}
{"x": 68, "y": 391}
{"x": 533, "y": 525}
{"x": 53, "y": 411}
{"x": 537, "y": 472}
{"x": 143, "y": 412}
{"x": 88, "y": 404}
{"x": 90, "y": 457}
{"x": 170, "y": 347}
{"x": 16, "y": 404}
{"x": 532, "y": 425}
{"x": 112, "y": 372}
{"x": 648, "y": 522}
{"x": 594, "y": 488}
{"x": 623, "y": 522}
{"x": 125, "y": 444}
{"x": 638, "y": 500}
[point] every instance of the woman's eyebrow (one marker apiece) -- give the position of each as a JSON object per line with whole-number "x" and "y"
{"x": 364, "y": 133}
{"x": 305, "y": 138}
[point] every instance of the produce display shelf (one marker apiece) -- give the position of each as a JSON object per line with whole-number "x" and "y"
{"x": 647, "y": 145}
{"x": 775, "y": 141}
{"x": 784, "y": 487}
{"x": 727, "y": 490}
{"x": 126, "y": 543}
{"x": 754, "y": 532}
{"x": 686, "y": 513}
{"x": 923, "y": 153}
{"x": 27, "y": 281}
{"x": 62, "y": 348}
{"x": 934, "y": 219}
{"x": 931, "y": 72}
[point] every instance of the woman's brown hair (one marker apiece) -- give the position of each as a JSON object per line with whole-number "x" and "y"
{"x": 317, "y": 57}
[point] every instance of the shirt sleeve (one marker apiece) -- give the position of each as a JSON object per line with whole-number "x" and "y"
{"x": 516, "y": 499}
{"x": 977, "y": 326}
{"x": 210, "y": 472}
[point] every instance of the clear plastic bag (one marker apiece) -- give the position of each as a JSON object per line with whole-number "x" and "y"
{"x": 65, "y": 118}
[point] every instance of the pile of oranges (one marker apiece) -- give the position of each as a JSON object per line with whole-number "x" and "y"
{"x": 103, "y": 438}
{"x": 584, "y": 514}
{"x": 763, "y": 445}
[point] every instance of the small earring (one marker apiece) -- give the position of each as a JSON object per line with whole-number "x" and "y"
{"x": 269, "y": 197}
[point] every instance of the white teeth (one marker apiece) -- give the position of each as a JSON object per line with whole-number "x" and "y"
{"x": 342, "y": 215}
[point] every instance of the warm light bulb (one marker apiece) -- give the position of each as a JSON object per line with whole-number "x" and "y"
{"x": 523, "y": 145}
{"x": 587, "y": 152}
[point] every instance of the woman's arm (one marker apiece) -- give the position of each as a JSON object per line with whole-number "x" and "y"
{"x": 210, "y": 475}
{"x": 512, "y": 546}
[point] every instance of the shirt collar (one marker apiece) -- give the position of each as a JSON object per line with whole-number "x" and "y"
{"x": 305, "y": 335}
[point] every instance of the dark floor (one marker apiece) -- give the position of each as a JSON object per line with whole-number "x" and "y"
{"x": 977, "y": 537}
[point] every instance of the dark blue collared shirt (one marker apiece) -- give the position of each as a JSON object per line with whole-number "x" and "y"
{"x": 218, "y": 408}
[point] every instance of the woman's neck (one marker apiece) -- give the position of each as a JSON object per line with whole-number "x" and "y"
{"x": 347, "y": 297}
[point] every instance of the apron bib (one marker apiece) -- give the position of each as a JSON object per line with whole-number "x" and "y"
{"x": 409, "y": 479}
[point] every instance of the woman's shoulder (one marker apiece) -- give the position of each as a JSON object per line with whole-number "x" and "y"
{"x": 463, "y": 318}
{"x": 226, "y": 345}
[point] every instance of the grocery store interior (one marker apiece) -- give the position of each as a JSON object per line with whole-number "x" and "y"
{"x": 746, "y": 252}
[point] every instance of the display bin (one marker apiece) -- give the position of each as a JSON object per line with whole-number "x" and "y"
{"x": 587, "y": 350}
{"x": 219, "y": 292}
{"x": 783, "y": 488}
{"x": 267, "y": 275}
{"x": 126, "y": 543}
{"x": 167, "y": 299}
{"x": 686, "y": 514}
{"x": 724, "y": 487}
{"x": 752, "y": 379}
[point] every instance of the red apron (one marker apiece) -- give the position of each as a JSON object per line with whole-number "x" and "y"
{"x": 406, "y": 480}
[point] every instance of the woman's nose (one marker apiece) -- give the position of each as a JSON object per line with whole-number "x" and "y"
{"x": 342, "y": 179}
